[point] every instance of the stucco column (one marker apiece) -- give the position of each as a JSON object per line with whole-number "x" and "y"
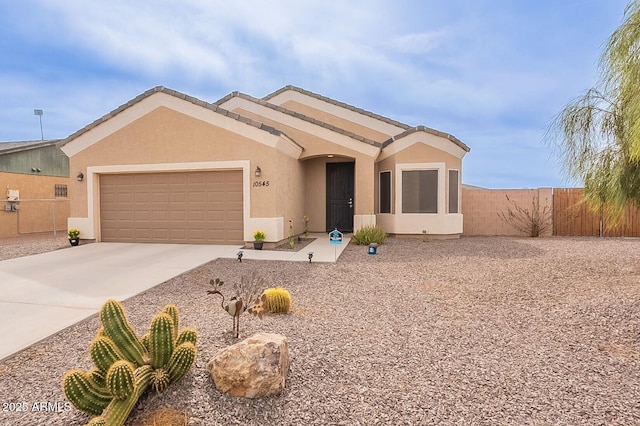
{"x": 364, "y": 212}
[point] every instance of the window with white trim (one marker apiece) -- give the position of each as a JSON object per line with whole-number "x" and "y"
{"x": 453, "y": 191}
{"x": 420, "y": 191}
{"x": 385, "y": 192}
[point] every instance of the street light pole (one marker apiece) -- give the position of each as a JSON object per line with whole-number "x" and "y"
{"x": 39, "y": 113}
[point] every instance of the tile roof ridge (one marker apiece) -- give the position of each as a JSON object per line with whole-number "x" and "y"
{"x": 171, "y": 92}
{"x": 338, "y": 103}
{"x": 426, "y": 129}
{"x": 8, "y": 147}
{"x": 300, "y": 116}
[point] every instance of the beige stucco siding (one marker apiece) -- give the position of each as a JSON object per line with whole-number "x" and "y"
{"x": 421, "y": 153}
{"x": 163, "y": 131}
{"x": 315, "y": 146}
{"x": 167, "y": 137}
{"x": 315, "y": 193}
{"x": 39, "y": 208}
{"x": 417, "y": 153}
{"x": 288, "y": 191}
{"x": 337, "y": 121}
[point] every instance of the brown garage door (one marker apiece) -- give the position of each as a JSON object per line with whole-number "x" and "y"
{"x": 185, "y": 207}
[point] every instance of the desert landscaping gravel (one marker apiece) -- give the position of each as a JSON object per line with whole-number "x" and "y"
{"x": 474, "y": 331}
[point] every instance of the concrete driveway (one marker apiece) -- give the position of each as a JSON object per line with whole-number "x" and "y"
{"x": 45, "y": 293}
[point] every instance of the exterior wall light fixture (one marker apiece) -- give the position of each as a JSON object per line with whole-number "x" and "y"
{"x": 80, "y": 176}
{"x": 258, "y": 171}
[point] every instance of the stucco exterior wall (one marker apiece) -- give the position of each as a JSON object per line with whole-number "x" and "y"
{"x": 167, "y": 137}
{"x": 315, "y": 193}
{"x": 163, "y": 131}
{"x": 39, "y": 209}
{"x": 315, "y": 146}
{"x": 421, "y": 155}
{"x": 290, "y": 190}
{"x": 481, "y": 207}
{"x": 337, "y": 121}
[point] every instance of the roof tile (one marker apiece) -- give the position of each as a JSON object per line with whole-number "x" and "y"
{"x": 338, "y": 103}
{"x": 294, "y": 114}
{"x": 213, "y": 107}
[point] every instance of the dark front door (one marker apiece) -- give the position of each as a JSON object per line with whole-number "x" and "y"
{"x": 340, "y": 197}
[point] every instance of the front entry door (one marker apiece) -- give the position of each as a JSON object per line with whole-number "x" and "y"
{"x": 340, "y": 196}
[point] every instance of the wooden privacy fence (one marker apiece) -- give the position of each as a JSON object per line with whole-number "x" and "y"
{"x": 572, "y": 217}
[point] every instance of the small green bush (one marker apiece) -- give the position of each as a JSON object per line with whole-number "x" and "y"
{"x": 369, "y": 234}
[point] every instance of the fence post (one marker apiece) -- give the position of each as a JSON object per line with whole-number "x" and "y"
{"x": 53, "y": 208}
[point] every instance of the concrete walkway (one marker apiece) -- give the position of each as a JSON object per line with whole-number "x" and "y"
{"x": 45, "y": 293}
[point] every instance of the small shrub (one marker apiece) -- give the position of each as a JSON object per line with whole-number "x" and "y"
{"x": 369, "y": 234}
{"x": 305, "y": 220}
{"x": 292, "y": 235}
{"x": 534, "y": 222}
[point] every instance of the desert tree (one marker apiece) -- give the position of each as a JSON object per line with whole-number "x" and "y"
{"x": 597, "y": 135}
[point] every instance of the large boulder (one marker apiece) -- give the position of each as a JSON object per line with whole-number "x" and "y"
{"x": 253, "y": 368}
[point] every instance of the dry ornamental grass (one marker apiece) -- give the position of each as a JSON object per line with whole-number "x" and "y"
{"x": 478, "y": 330}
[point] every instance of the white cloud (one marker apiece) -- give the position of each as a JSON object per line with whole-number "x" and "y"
{"x": 461, "y": 67}
{"x": 417, "y": 43}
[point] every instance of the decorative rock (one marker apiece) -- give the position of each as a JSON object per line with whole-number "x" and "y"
{"x": 253, "y": 368}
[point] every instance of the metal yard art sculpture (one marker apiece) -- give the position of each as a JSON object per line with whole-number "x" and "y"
{"x": 246, "y": 297}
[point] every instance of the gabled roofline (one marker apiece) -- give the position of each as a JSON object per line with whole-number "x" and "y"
{"x": 11, "y": 147}
{"x": 303, "y": 117}
{"x": 176, "y": 94}
{"x": 427, "y": 130}
{"x": 338, "y": 103}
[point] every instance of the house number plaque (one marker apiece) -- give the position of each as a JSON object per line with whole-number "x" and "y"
{"x": 258, "y": 183}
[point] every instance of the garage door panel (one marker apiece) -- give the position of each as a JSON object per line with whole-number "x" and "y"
{"x": 178, "y": 197}
{"x": 185, "y": 207}
{"x": 234, "y": 197}
{"x": 142, "y": 197}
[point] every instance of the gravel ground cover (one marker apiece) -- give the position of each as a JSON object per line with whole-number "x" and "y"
{"x": 32, "y": 244}
{"x": 480, "y": 330}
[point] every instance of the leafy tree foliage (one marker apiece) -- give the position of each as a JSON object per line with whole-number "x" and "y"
{"x": 598, "y": 134}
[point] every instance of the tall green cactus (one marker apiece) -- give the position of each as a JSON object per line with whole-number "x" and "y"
{"x": 118, "y": 410}
{"x": 120, "y": 380}
{"x": 181, "y": 360}
{"x": 120, "y": 331}
{"x": 161, "y": 339}
{"x": 126, "y": 366}
{"x": 188, "y": 334}
{"x": 84, "y": 393}
{"x": 104, "y": 353}
{"x": 174, "y": 313}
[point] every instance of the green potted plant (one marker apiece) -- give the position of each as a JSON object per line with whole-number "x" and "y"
{"x": 74, "y": 236}
{"x": 258, "y": 239}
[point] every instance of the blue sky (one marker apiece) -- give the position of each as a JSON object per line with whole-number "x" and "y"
{"x": 493, "y": 73}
